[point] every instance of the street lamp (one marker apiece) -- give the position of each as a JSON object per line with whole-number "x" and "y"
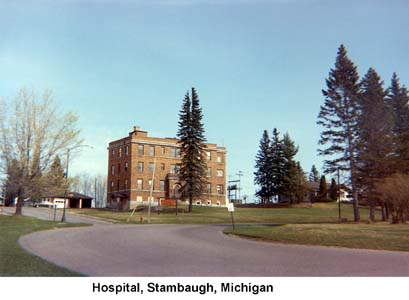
{"x": 63, "y": 218}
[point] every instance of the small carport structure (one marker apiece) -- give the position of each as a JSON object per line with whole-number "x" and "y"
{"x": 73, "y": 200}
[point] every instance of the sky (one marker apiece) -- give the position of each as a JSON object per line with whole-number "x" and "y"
{"x": 256, "y": 65}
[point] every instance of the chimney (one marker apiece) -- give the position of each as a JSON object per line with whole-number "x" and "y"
{"x": 136, "y": 128}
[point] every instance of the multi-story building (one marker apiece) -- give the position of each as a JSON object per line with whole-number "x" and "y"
{"x": 134, "y": 162}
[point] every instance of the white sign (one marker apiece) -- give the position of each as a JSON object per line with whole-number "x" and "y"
{"x": 230, "y": 207}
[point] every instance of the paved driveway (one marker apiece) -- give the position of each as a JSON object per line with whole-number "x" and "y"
{"x": 198, "y": 250}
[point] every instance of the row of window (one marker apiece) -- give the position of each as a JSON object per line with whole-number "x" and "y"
{"x": 174, "y": 152}
{"x": 174, "y": 169}
{"x": 140, "y": 186}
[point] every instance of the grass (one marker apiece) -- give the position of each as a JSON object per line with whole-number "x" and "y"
{"x": 378, "y": 236}
{"x": 319, "y": 213}
{"x": 14, "y": 261}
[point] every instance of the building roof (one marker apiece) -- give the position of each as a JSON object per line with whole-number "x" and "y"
{"x": 71, "y": 195}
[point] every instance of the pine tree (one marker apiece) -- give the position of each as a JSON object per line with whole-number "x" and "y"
{"x": 263, "y": 174}
{"x": 333, "y": 190}
{"x": 314, "y": 176}
{"x": 339, "y": 117}
{"x": 55, "y": 183}
{"x": 398, "y": 99}
{"x": 191, "y": 138}
{"x": 301, "y": 183}
{"x": 323, "y": 191}
{"x": 289, "y": 165}
{"x": 374, "y": 144}
{"x": 277, "y": 164}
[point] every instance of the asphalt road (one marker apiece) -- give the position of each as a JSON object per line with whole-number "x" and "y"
{"x": 200, "y": 250}
{"x": 48, "y": 214}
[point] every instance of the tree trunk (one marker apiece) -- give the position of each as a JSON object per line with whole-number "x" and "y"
{"x": 383, "y": 212}
{"x": 190, "y": 203}
{"x": 19, "y": 204}
{"x": 372, "y": 210}
{"x": 387, "y": 210}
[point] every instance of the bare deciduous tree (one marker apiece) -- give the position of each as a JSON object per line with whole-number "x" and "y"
{"x": 32, "y": 132}
{"x": 395, "y": 190}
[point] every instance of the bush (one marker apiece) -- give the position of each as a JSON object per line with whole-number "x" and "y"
{"x": 395, "y": 192}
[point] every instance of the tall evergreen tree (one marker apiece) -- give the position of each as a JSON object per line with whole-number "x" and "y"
{"x": 398, "y": 99}
{"x": 333, "y": 190}
{"x": 314, "y": 176}
{"x": 323, "y": 191}
{"x": 339, "y": 117}
{"x": 192, "y": 172}
{"x": 301, "y": 179}
{"x": 277, "y": 164}
{"x": 289, "y": 165}
{"x": 375, "y": 125}
{"x": 54, "y": 180}
{"x": 263, "y": 174}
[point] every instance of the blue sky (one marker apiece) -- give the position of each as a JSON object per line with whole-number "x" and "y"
{"x": 255, "y": 64}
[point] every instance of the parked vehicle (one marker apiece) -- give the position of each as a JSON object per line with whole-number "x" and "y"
{"x": 44, "y": 204}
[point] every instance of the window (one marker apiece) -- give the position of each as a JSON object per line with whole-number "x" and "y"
{"x": 152, "y": 150}
{"x": 172, "y": 169}
{"x": 113, "y": 152}
{"x": 162, "y": 185}
{"x": 139, "y": 184}
{"x": 119, "y": 168}
{"x": 119, "y": 152}
{"x": 208, "y": 155}
{"x": 175, "y": 152}
{"x": 150, "y": 183}
{"x": 219, "y": 159}
{"x": 219, "y": 173}
{"x": 126, "y": 184}
{"x": 140, "y": 167}
{"x": 163, "y": 149}
{"x": 126, "y": 150}
{"x": 198, "y": 202}
{"x": 209, "y": 172}
{"x": 112, "y": 186}
{"x": 162, "y": 166}
{"x": 209, "y": 202}
{"x": 218, "y": 203}
{"x": 219, "y": 189}
{"x": 113, "y": 170}
{"x": 117, "y": 185}
{"x": 126, "y": 166}
{"x": 140, "y": 149}
{"x": 209, "y": 188}
{"x": 151, "y": 167}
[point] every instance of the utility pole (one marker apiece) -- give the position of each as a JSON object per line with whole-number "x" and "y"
{"x": 240, "y": 173}
{"x": 151, "y": 192}
{"x": 339, "y": 197}
{"x": 95, "y": 192}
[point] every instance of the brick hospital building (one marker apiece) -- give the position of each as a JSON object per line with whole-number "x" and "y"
{"x": 133, "y": 160}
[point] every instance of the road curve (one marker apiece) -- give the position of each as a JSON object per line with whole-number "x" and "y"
{"x": 200, "y": 250}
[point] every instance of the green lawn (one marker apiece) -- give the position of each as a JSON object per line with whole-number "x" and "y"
{"x": 14, "y": 261}
{"x": 319, "y": 213}
{"x": 365, "y": 236}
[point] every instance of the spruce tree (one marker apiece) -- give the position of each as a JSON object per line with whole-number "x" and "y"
{"x": 289, "y": 165}
{"x": 333, "y": 190}
{"x": 192, "y": 172}
{"x": 301, "y": 179}
{"x": 339, "y": 119}
{"x": 398, "y": 99}
{"x": 277, "y": 164}
{"x": 55, "y": 183}
{"x": 323, "y": 191}
{"x": 263, "y": 174}
{"x": 374, "y": 143}
{"x": 314, "y": 176}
